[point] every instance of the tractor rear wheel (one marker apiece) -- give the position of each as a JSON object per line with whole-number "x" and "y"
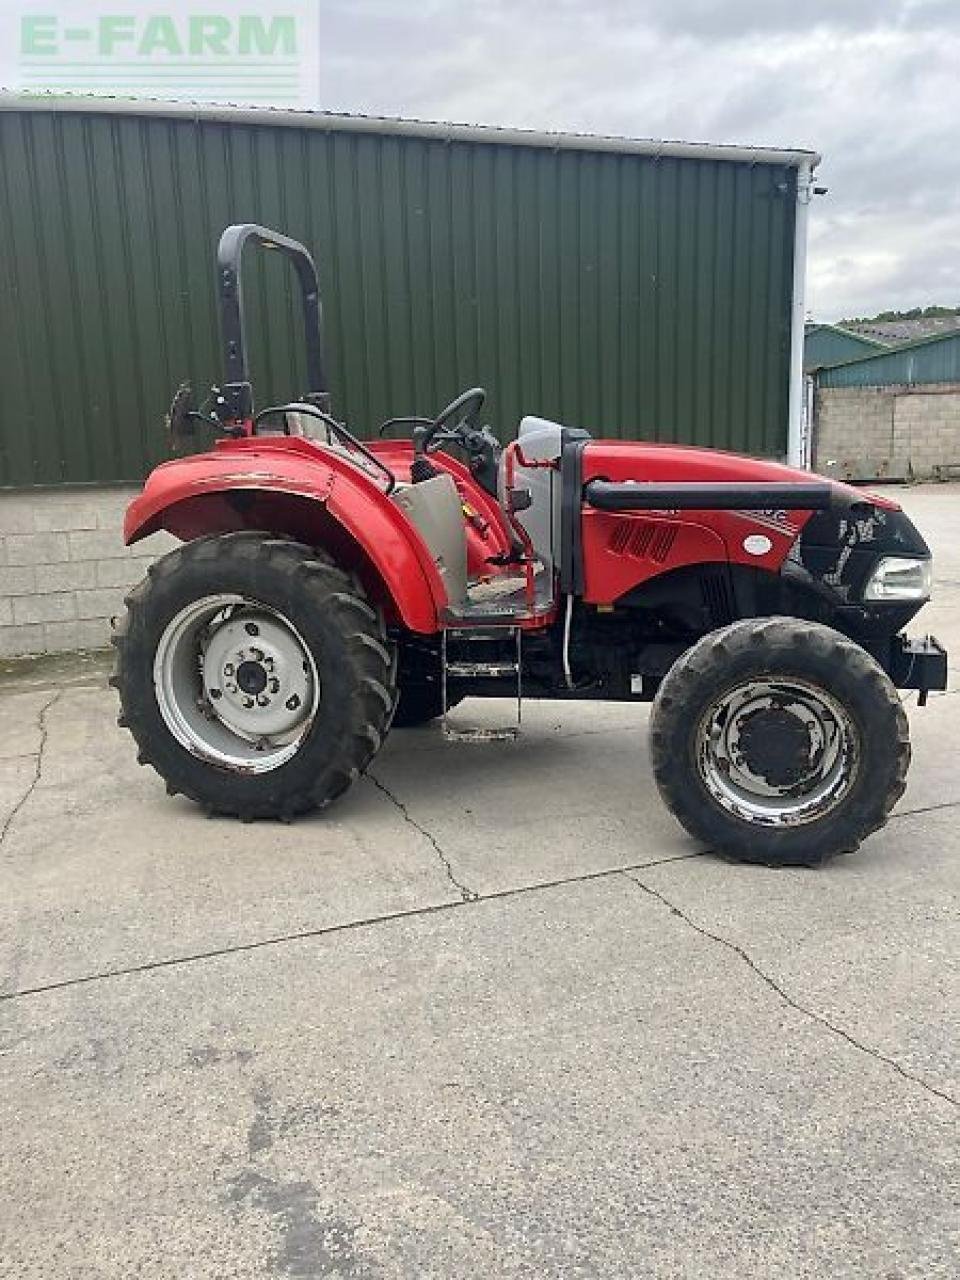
{"x": 254, "y": 674}
{"x": 779, "y": 741}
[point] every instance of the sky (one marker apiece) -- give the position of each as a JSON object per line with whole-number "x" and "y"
{"x": 872, "y": 85}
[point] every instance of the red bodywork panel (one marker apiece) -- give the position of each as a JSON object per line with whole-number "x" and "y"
{"x": 622, "y": 551}
{"x": 297, "y": 487}
{"x": 319, "y": 496}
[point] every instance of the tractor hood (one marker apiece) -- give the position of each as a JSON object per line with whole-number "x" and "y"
{"x": 623, "y": 461}
{"x": 757, "y": 514}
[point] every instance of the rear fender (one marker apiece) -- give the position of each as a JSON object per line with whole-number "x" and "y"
{"x": 334, "y": 507}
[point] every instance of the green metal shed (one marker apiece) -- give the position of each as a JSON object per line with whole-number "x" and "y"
{"x": 827, "y": 344}
{"x": 637, "y": 288}
{"x": 927, "y": 360}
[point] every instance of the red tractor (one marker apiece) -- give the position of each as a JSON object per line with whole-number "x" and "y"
{"x": 328, "y": 590}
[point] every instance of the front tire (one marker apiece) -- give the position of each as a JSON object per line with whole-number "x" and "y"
{"x": 779, "y": 741}
{"x": 254, "y": 674}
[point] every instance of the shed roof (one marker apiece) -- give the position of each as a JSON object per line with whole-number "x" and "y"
{"x": 336, "y": 121}
{"x": 825, "y": 345}
{"x": 866, "y": 338}
{"x": 927, "y": 360}
{"x": 894, "y": 349}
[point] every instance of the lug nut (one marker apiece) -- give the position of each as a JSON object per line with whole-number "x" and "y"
{"x": 274, "y": 685}
{"x": 251, "y": 629}
{"x": 216, "y": 693}
{"x": 292, "y": 702}
{"x": 248, "y": 703}
{"x": 228, "y": 669}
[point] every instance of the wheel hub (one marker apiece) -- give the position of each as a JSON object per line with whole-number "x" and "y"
{"x": 255, "y": 676}
{"x": 776, "y": 745}
{"x": 777, "y": 752}
{"x": 252, "y": 676}
{"x": 235, "y": 683}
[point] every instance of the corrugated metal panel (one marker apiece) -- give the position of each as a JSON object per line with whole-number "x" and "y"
{"x": 634, "y": 295}
{"x": 826, "y": 344}
{"x": 930, "y": 360}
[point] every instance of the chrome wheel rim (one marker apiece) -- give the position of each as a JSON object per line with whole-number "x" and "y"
{"x": 235, "y": 683}
{"x": 778, "y": 752}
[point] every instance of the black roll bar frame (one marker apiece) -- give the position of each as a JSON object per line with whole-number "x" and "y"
{"x": 235, "y": 403}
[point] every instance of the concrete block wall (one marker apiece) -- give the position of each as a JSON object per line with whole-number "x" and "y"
{"x": 64, "y": 569}
{"x": 927, "y": 428}
{"x": 904, "y": 432}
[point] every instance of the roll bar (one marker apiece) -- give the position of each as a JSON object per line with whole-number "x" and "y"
{"x": 236, "y": 402}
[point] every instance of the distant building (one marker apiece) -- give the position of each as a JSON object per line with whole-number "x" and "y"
{"x": 892, "y": 412}
{"x": 827, "y": 344}
{"x": 892, "y": 332}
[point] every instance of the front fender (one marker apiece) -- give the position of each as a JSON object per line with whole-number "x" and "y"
{"x": 325, "y": 502}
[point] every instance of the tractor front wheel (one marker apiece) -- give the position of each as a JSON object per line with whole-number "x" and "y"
{"x": 254, "y": 674}
{"x": 779, "y": 741}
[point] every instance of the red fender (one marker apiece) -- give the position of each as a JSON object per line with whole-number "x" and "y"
{"x": 290, "y": 485}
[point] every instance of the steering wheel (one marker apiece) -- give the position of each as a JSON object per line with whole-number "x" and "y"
{"x": 454, "y": 422}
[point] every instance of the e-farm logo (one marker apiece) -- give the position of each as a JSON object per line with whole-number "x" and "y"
{"x": 248, "y": 53}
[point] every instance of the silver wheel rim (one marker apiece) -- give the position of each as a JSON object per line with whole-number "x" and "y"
{"x": 235, "y": 683}
{"x": 777, "y": 752}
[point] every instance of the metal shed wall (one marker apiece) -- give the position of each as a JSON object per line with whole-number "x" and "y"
{"x": 633, "y": 294}
{"x": 930, "y": 360}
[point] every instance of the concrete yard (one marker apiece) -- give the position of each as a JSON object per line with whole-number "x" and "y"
{"x": 492, "y": 1015}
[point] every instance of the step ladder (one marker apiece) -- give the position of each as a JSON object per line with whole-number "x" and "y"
{"x": 465, "y": 666}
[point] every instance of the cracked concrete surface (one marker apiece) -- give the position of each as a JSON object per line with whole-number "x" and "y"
{"x": 436, "y": 1032}
{"x": 37, "y": 761}
{"x": 774, "y": 986}
{"x": 467, "y": 894}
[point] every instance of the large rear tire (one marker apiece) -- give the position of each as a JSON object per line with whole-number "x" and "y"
{"x": 254, "y": 674}
{"x": 779, "y": 741}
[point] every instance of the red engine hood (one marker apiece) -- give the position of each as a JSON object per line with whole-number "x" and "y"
{"x": 621, "y": 551}
{"x": 629, "y": 460}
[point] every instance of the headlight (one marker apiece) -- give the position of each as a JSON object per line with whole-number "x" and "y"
{"x": 900, "y": 578}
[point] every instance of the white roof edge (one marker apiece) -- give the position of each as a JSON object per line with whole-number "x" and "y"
{"x": 332, "y": 122}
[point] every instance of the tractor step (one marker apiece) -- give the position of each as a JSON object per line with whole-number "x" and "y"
{"x": 470, "y": 670}
{"x": 506, "y": 734}
{"x": 475, "y": 666}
